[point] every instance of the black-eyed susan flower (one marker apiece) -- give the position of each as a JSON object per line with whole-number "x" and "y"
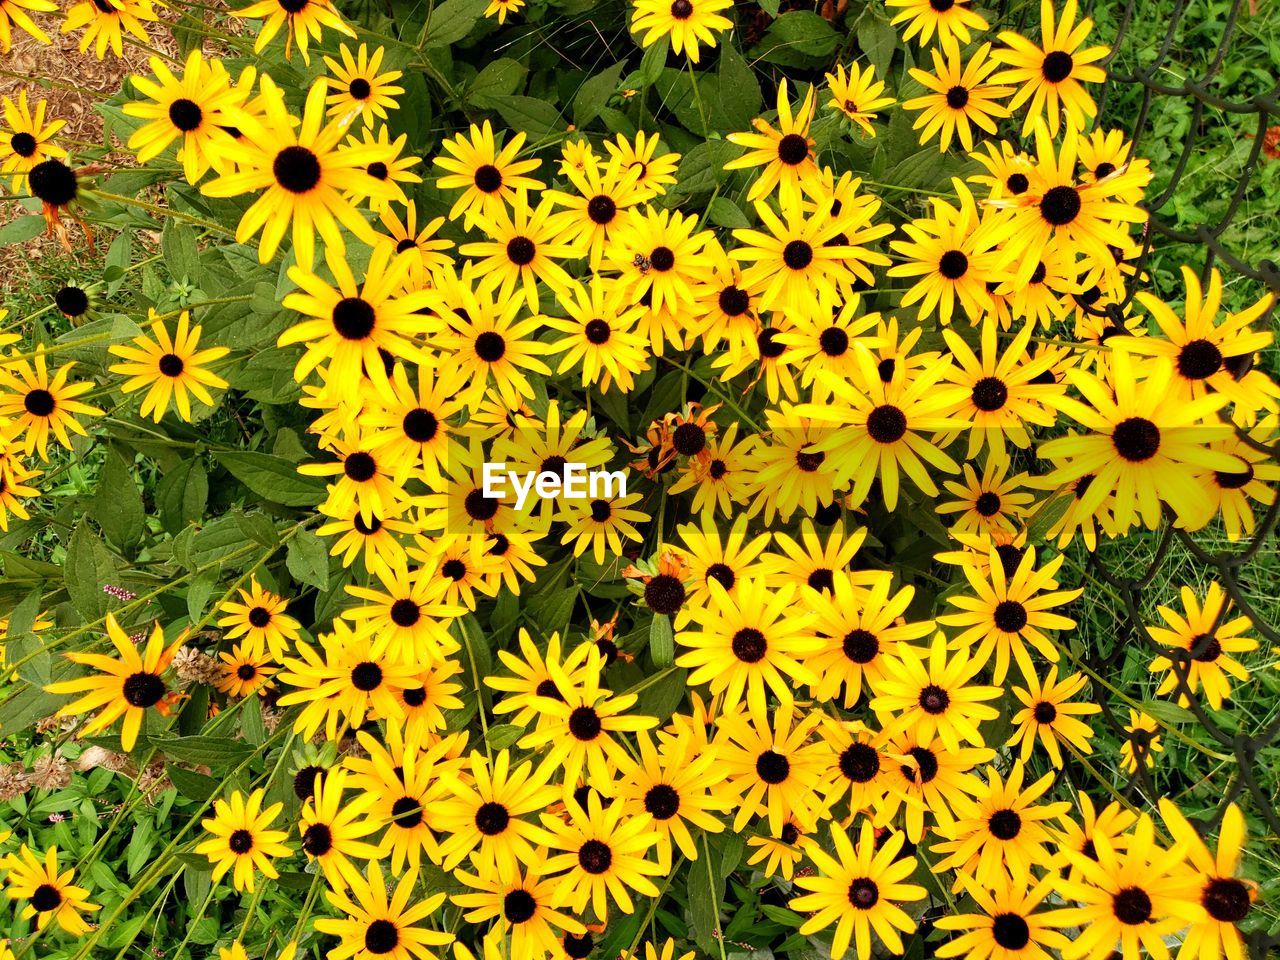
{"x": 27, "y": 138}
{"x": 925, "y": 777}
{"x": 486, "y": 816}
{"x": 241, "y": 842}
{"x": 350, "y": 679}
{"x": 779, "y": 854}
{"x": 124, "y": 686}
{"x": 525, "y": 904}
{"x": 579, "y": 720}
{"x": 960, "y": 96}
{"x": 500, "y": 9}
{"x": 988, "y": 503}
{"x": 363, "y": 479}
{"x": 1007, "y": 613}
{"x": 1114, "y": 822}
{"x": 304, "y": 176}
{"x": 405, "y": 777}
{"x": 1001, "y": 833}
{"x": 785, "y": 153}
{"x": 1010, "y": 925}
{"x": 955, "y": 254}
{"x": 14, "y": 476}
{"x": 1049, "y": 715}
{"x": 1142, "y": 742}
{"x": 947, "y": 17}
{"x": 859, "y": 889}
{"x": 383, "y": 920}
{"x": 858, "y": 765}
{"x": 388, "y": 167}
{"x": 748, "y": 642}
{"x": 489, "y": 176}
{"x": 602, "y": 523}
{"x": 38, "y": 405}
{"x": 1005, "y": 389}
{"x": 171, "y": 368}
{"x": 197, "y": 109}
{"x": 658, "y": 253}
{"x": 1050, "y": 74}
{"x": 1201, "y": 645}
{"x": 674, "y": 784}
{"x": 1236, "y": 491}
{"x": 600, "y": 336}
{"x": 335, "y": 828}
{"x": 374, "y": 538}
{"x": 824, "y": 347}
{"x": 408, "y": 615}
{"x": 1090, "y": 216}
{"x": 490, "y": 346}
{"x": 604, "y": 191}
{"x": 300, "y": 20}
{"x": 429, "y": 248}
{"x": 858, "y": 95}
{"x": 791, "y": 471}
{"x": 259, "y": 621}
{"x": 360, "y": 88}
{"x": 531, "y": 676}
{"x": 807, "y": 258}
{"x": 412, "y": 425}
{"x": 424, "y": 703}
{"x": 654, "y": 171}
{"x": 1140, "y": 447}
{"x": 105, "y": 22}
{"x": 604, "y": 856}
{"x": 51, "y": 895}
{"x": 523, "y": 248}
{"x": 874, "y": 429}
{"x": 860, "y": 627}
{"x": 772, "y": 770}
{"x": 1128, "y": 900}
{"x": 245, "y": 670}
{"x": 348, "y": 324}
{"x": 689, "y": 24}
{"x": 933, "y": 695}
{"x": 810, "y": 562}
{"x": 1208, "y": 354}
{"x": 1226, "y": 897}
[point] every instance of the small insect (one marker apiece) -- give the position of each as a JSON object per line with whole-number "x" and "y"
{"x": 642, "y": 263}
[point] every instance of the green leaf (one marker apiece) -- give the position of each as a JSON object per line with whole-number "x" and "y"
{"x": 178, "y": 244}
{"x": 921, "y": 169}
{"x": 653, "y": 63}
{"x": 21, "y": 229}
{"x": 878, "y": 41}
{"x": 117, "y": 503}
{"x": 661, "y": 697}
{"x": 706, "y": 891}
{"x": 798, "y": 39}
{"x": 451, "y": 21}
{"x": 740, "y": 98}
{"x": 307, "y": 559}
{"x": 498, "y": 79}
{"x": 199, "y": 591}
{"x": 272, "y": 478}
{"x": 89, "y": 566}
{"x": 181, "y": 495}
{"x": 594, "y": 94}
{"x": 552, "y": 609}
{"x": 504, "y": 735}
{"x": 535, "y": 117}
{"x": 203, "y": 751}
{"x": 723, "y": 212}
{"x": 662, "y": 644}
{"x": 23, "y": 646}
{"x": 702, "y": 168}
{"x": 193, "y": 786}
